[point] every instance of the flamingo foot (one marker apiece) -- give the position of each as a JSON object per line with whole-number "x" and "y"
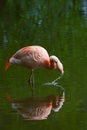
{"x": 54, "y": 83}
{"x": 51, "y": 83}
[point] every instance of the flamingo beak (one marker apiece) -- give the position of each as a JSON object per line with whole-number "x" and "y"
{"x": 60, "y": 67}
{"x": 62, "y": 72}
{"x": 7, "y": 65}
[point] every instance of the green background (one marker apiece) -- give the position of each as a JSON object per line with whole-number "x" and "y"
{"x": 61, "y": 27}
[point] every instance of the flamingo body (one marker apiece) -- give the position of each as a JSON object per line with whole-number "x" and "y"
{"x": 34, "y": 57}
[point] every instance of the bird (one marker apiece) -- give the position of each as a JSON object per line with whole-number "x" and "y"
{"x": 33, "y": 57}
{"x": 37, "y": 108}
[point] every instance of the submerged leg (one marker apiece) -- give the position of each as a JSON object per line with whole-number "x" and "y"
{"x": 31, "y": 82}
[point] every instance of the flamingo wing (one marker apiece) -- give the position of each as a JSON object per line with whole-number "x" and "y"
{"x": 31, "y": 56}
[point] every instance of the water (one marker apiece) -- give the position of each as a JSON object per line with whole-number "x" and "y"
{"x": 61, "y": 28}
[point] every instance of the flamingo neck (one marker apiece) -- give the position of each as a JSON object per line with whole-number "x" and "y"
{"x": 47, "y": 64}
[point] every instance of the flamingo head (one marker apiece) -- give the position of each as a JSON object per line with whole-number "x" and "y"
{"x": 56, "y": 64}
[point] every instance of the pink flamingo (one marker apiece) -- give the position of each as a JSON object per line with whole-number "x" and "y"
{"x": 33, "y": 57}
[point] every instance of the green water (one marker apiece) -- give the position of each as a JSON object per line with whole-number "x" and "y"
{"x": 61, "y": 28}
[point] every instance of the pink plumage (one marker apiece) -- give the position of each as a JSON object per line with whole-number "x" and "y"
{"x": 34, "y": 57}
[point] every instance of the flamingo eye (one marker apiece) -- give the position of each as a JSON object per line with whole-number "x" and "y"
{"x": 53, "y": 64}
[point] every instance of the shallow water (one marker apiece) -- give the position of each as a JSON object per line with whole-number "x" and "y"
{"x": 61, "y": 28}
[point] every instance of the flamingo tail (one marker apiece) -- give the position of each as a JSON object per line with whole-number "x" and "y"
{"x": 7, "y": 65}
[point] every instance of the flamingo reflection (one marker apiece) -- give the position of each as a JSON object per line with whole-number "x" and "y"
{"x": 37, "y": 108}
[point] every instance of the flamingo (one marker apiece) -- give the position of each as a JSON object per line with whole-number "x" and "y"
{"x": 33, "y": 57}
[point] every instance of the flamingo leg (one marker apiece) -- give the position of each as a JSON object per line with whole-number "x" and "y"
{"x": 31, "y": 82}
{"x": 54, "y": 83}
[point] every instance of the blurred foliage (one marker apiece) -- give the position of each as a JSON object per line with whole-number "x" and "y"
{"x": 27, "y": 20}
